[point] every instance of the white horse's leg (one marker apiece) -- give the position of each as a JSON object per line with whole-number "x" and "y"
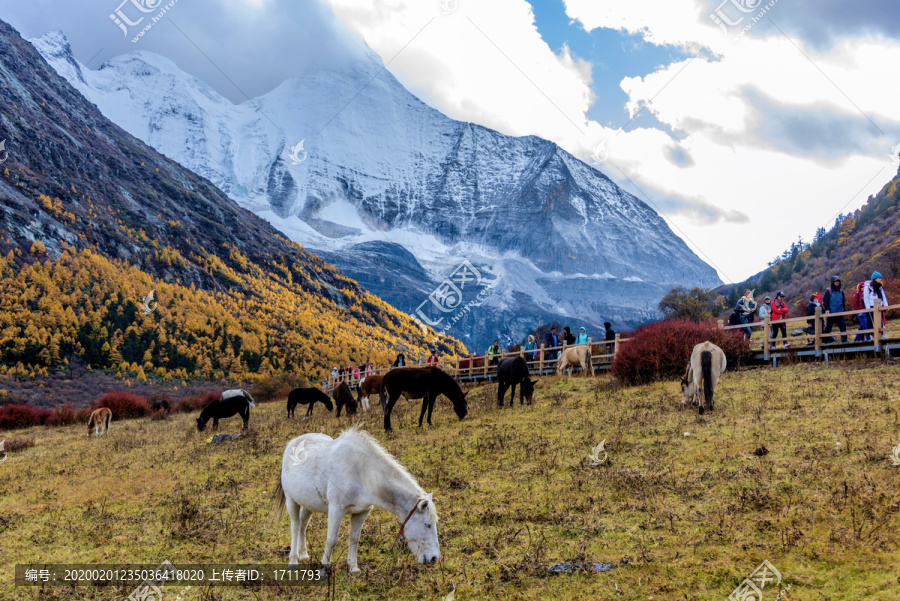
{"x": 294, "y": 512}
{"x": 365, "y": 403}
{"x": 356, "y": 523}
{"x": 335, "y": 515}
{"x": 305, "y": 514}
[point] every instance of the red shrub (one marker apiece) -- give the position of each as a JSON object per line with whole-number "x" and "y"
{"x": 63, "y": 415}
{"x": 196, "y": 402}
{"x": 661, "y": 350}
{"x": 22, "y": 416}
{"x": 123, "y": 404}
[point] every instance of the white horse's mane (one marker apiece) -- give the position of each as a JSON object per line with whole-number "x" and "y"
{"x": 380, "y": 452}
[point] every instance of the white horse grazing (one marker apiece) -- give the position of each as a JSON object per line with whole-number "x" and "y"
{"x": 575, "y": 355}
{"x": 706, "y": 365}
{"x": 351, "y": 474}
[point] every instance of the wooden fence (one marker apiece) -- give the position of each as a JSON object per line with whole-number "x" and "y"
{"x": 812, "y": 341}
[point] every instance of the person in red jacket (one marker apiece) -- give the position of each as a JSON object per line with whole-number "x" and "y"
{"x": 778, "y": 311}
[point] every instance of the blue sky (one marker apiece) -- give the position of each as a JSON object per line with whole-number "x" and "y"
{"x": 613, "y": 55}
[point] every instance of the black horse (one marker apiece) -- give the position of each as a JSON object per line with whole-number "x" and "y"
{"x": 424, "y": 383}
{"x": 342, "y": 396}
{"x": 307, "y": 396}
{"x": 232, "y": 402}
{"x": 161, "y": 404}
{"x": 513, "y": 371}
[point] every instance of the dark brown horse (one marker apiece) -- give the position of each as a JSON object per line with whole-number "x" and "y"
{"x": 424, "y": 383}
{"x": 307, "y": 396}
{"x": 230, "y": 403}
{"x": 513, "y": 371}
{"x": 342, "y": 396}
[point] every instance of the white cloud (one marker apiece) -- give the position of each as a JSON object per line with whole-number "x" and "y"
{"x": 765, "y": 196}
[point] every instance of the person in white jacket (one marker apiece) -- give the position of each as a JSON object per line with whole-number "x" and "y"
{"x": 874, "y": 290}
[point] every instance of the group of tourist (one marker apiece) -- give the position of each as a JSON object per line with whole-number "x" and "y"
{"x": 552, "y": 341}
{"x": 831, "y": 302}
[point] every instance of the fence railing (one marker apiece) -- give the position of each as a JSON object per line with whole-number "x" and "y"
{"x": 543, "y": 359}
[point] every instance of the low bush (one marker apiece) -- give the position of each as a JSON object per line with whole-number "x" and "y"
{"x": 123, "y": 404}
{"x": 274, "y": 387}
{"x": 17, "y": 444}
{"x": 196, "y": 402}
{"x": 64, "y": 415}
{"x": 159, "y": 415}
{"x": 661, "y": 350}
{"x": 22, "y": 416}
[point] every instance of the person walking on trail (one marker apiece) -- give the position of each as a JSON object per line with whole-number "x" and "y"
{"x": 552, "y": 341}
{"x": 530, "y": 345}
{"x": 746, "y": 308}
{"x": 493, "y": 353}
{"x": 778, "y": 311}
{"x": 833, "y": 302}
{"x": 858, "y": 303}
{"x": 874, "y": 291}
{"x": 582, "y": 337}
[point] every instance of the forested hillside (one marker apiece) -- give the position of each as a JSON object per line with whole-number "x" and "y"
{"x": 93, "y": 220}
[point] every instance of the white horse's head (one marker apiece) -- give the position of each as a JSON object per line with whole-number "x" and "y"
{"x": 421, "y": 531}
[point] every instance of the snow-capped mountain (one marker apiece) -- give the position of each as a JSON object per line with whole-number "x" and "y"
{"x": 350, "y": 164}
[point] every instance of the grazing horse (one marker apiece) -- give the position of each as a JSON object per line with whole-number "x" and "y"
{"x": 368, "y": 476}
{"x": 161, "y": 404}
{"x": 231, "y": 403}
{"x": 424, "y": 383}
{"x": 342, "y": 396}
{"x": 706, "y": 365}
{"x": 372, "y": 384}
{"x": 307, "y": 396}
{"x": 513, "y": 371}
{"x": 99, "y": 421}
{"x": 573, "y": 356}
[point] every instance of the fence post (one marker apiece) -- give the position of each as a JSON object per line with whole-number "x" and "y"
{"x": 485, "y": 365}
{"x": 721, "y": 323}
{"x": 817, "y": 328}
{"x": 541, "y": 359}
{"x": 876, "y": 325}
{"x": 766, "y": 335}
{"x": 616, "y": 346}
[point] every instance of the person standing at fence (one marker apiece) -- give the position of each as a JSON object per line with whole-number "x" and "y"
{"x": 356, "y": 375}
{"x": 610, "y": 335}
{"x": 568, "y": 337}
{"x": 778, "y": 310}
{"x": 582, "y": 337}
{"x": 874, "y": 291}
{"x": 493, "y": 353}
{"x": 764, "y": 308}
{"x": 833, "y": 302}
{"x": 432, "y": 360}
{"x": 530, "y": 345}
{"x": 858, "y": 303}
{"x": 370, "y": 369}
{"x": 746, "y": 308}
{"x": 400, "y": 361}
{"x": 552, "y": 341}
{"x": 810, "y": 312}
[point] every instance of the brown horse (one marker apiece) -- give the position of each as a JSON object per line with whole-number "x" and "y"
{"x": 424, "y": 383}
{"x": 342, "y": 396}
{"x": 99, "y": 421}
{"x": 371, "y": 385}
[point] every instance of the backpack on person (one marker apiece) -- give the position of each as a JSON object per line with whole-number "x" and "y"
{"x": 734, "y": 319}
{"x": 858, "y": 301}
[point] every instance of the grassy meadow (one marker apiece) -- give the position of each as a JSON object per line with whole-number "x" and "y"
{"x": 792, "y": 467}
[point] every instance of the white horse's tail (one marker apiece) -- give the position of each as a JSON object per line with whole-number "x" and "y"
{"x": 279, "y": 505}
{"x": 250, "y": 400}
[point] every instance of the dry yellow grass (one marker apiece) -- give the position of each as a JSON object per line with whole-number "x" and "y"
{"x": 682, "y": 517}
